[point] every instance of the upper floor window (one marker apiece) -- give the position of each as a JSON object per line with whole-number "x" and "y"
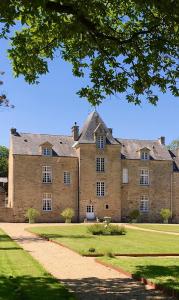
{"x": 125, "y": 177}
{"x": 47, "y": 151}
{"x": 100, "y": 164}
{"x": 46, "y": 174}
{"x": 47, "y": 202}
{"x": 144, "y": 203}
{"x": 144, "y": 176}
{"x": 100, "y": 141}
{"x": 144, "y": 155}
{"x": 100, "y": 189}
{"x": 67, "y": 177}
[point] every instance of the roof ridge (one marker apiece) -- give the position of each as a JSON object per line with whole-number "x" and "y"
{"x": 136, "y": 140}
{"x": 46, "y": 134}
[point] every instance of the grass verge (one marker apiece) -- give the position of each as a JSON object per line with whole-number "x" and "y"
{"x": 160, "y": 271}
{"x": 23, "y": 278}
{"x": 159, "y": 227}
{"x": 78, "y": 239}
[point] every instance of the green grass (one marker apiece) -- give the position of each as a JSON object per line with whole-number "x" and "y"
{"x": 23, "y": 278}
{"x": 135, "y": 241}
{"x": 164, "y": 271}
{"x": 160, "y": 227}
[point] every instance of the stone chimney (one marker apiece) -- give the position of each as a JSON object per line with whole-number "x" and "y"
{"x": 75, "y": 132}
{"x": 162, "y": 140}
{"x": 13, "y": 131}
{"x": 177, "y": 152}
{"x": 110, "y": 130}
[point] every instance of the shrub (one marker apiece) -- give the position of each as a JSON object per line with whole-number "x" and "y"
{"x": 116, "y": 229}
{"x": 134, "y": 215}
{"x": 68, "y": 214}
{"x": 101, "y": 229}
{"x": 32, "y": 214}
{"x": 96, "y": 229}
{"x": 91, "y": 250}
{"x": 165, "y": 214}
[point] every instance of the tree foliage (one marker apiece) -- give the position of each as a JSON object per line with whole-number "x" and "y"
{"x": 173, "y": 145}
{"x": 3, "y": 98}
{"x": 4, "y": 153}
{"x": 121, "y": 46}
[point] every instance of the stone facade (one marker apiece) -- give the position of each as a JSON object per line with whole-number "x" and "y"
{"x": 76, "y": 156}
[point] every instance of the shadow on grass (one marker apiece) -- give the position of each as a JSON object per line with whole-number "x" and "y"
{"x": 32, "y": 288}
{"x": 5, "y": 238}
{"x": 56, "y": 236}
{"x": 160, "y": 274}
{"x": 10, "y": 248}
{"x": 111, "y": 289}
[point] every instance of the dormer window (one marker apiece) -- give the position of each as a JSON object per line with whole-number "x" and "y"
{"x": 100, "y": 142}
{"x": 144, "y": 155}
{"x": 47, "y": 151}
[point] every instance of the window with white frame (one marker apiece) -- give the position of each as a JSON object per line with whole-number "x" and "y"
{"x": 100, "y": 188}
{"x": 144, "y": 203}
{"x": 89, "y": 208}
{"x": 47, "y": 174}
{"x": 100, "y": 141}
{"x": 144, "y": 177}
{"x": 100, "y": 164}
{"x": 67, "y": 177}
{"x": 47, "y": 202}
{"x": 144, "y": 155}
{"x": 47, "y": 151}
{"x": 125, "y": 177}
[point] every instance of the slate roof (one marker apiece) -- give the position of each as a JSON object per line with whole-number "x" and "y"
{"x": 87, "y": 132}
{"x": 130, "y": 149}
{"x": 29, "y": 144}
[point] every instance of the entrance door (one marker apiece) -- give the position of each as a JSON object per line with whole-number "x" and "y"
{"x": 90, "y": 212}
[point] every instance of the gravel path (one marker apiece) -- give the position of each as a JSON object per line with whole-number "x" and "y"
{"x": 151, "y": 230}
{"x": 82, "y": 275}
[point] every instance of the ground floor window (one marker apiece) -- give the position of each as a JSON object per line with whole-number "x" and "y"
{"x": 47, "y": 202}
{"x": 144, "y": 203}
{"x": 90, "y": 208}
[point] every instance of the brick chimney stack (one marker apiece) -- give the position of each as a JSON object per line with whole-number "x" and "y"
{"x": 13, "y": 131}
{"x": 75, "y": 132}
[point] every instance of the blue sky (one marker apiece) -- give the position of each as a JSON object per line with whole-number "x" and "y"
{"x": 53, "y": 106}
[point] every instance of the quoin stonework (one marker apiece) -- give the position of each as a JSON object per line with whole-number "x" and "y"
{"x": 92, "y": 172}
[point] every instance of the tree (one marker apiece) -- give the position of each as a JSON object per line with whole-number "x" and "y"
{"x": 173, "y": 145}
{"x": 4, "y": 153}
{"x": 3, "y": 98}
{"x": 121, "y": 46}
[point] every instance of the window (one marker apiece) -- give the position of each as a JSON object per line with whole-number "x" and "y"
{"x": 47, "y": 202}
{"x": 100, "y": 142}
{"x": 47, "y": 151}
{"x": 144, "y": 176}
{"x": 89, "y": 208}
{"x": 144, "y": 155}
{"x": 144, "y": 203}
{"x": 100, "y": 189}
{"x": 67, "y": 178}
{"x": 125, "y": 178}
{"x": 46, "y": 174}
{"x": 107, "y": 206}
{"x": 100, "y": 164}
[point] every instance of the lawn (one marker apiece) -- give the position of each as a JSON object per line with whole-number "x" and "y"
{"x": 164, "y": 271}
{"x": 77, "y": 238}
{"x": 160, "y": 227}
{"x": 23, "y": 278}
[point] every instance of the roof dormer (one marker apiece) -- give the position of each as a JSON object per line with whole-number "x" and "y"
{"x": 46, "y": 149}
{"x": 144, "y": 153}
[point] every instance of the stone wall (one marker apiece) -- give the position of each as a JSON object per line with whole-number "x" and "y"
{"x": 158, "y": 190}
{"x": 175, "y": 197}
{"x": 88, "y": 178}
{"x": 29, "y": 189}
